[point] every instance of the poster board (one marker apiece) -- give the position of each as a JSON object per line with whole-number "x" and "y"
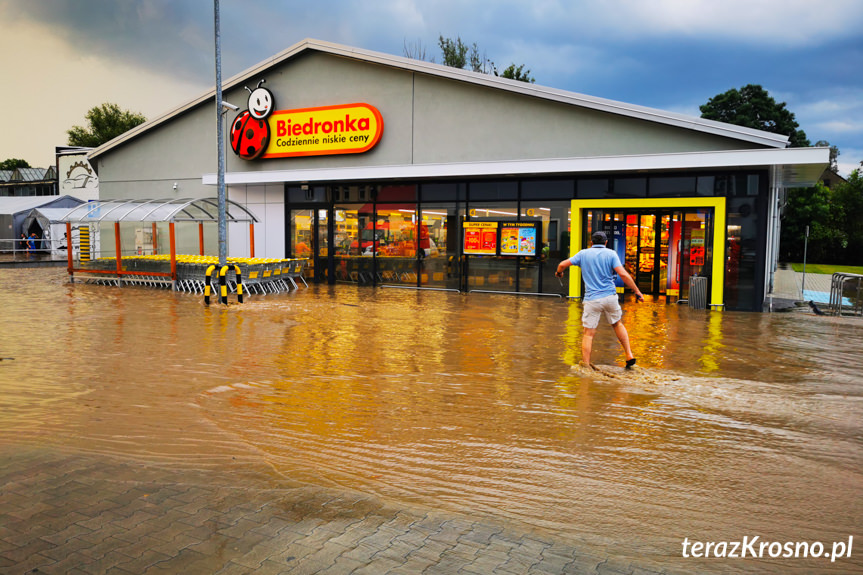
{"x": 502, "y": 238}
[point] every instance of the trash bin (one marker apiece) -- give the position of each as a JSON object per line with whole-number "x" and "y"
{"x": 698, "y": 292}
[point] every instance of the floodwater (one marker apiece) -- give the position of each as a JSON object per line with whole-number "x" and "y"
{"x": 738, "y": 424}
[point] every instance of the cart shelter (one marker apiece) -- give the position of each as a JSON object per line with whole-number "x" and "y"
{"x": 138, "y": 218}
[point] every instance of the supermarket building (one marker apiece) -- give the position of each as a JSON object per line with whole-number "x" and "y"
{"x": 382, "y": 170}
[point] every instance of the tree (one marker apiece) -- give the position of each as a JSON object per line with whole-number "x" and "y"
{"x": 457, "y": 54}
{"x": 514, "y": 72}
{"x": 454, "y": 52}
{"x": 834, "y": 154}
{"x": 753, "y": 107}
{"x": 415, "y": 50}
{"x": 13, "y": 163}
{"x": 810, "y": 207}
{"x": 848, "y": 200}
{"x": 105, "y": 123}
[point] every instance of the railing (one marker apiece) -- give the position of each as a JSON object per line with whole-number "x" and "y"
{"x": 839, "y": 283}
{"x": 44, "y": 249}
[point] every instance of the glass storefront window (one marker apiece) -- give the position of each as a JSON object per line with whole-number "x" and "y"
{"x": 672, "y": 187}
{"x": 592, "y": 188}
{"x": 547, "y": 189}
{"x": 450, "y": 192}
{"x": 396, "y": 240}
{"x": 537, "y": 275}
{"x": 439, "y": 236}
{"x": 494, "y": 273}
{"x": 629, "y": 188}
{"x": 353, "y": 243}
{"x": 490, "y": 191}
{"x": 302, "y": 241}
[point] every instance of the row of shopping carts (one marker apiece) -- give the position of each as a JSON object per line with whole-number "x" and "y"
{"x": 258, "y": 275}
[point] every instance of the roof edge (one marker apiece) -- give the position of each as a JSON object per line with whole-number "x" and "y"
{"x": 553, "y": 94}
{"x": 784, "y": 158}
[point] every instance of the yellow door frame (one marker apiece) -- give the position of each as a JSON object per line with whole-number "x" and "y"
{"x": 717, "y": 290}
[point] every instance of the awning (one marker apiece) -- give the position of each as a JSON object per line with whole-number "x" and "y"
{"x": 162, "y": 210}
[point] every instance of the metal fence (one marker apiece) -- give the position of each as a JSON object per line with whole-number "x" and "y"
{"x": 846, "y": 292}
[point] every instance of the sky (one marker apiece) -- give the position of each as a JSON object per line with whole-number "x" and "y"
{"x": 62, "y": 57}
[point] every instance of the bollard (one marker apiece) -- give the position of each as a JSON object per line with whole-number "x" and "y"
{"x": 207, "y": 284}
{"x": 223, "y": 285}
{"x": 239, "y": 283}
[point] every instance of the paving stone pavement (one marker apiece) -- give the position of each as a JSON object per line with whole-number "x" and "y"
{"x": 77, "y": 513}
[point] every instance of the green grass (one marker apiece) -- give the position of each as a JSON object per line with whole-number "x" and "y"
{"x": 827, "y": 269}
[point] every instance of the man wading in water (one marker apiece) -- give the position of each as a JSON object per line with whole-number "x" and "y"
{"x": 598, "y": 266}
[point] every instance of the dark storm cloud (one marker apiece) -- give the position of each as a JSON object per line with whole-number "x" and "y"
{"x": 669, "y": 54}
{"x": 169, "y": 35}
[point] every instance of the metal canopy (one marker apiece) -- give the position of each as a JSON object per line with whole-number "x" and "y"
{"x": 161, "y": 210}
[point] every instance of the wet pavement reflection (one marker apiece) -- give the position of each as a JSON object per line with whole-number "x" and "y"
{"x": 737, "y": 424}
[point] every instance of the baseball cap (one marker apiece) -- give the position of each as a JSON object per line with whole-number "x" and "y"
{"x": 599, "y": 238}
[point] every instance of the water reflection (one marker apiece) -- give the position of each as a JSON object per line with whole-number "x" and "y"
{"x": 741, "y": 424}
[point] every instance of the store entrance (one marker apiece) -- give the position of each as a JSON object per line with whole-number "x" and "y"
{"x": 661, "y": 249}
{"x": 310, "y": 240}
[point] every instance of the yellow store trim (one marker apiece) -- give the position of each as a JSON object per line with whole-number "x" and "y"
{"x": 717, "y": 291}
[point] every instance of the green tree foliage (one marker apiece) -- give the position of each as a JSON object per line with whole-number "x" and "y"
{"x": 454, "y": 52}
{"x": 833, "y": 217}
{"x": 753, "y": 107}
{"x": 808, "y": 207}
{"x": 514, "y": 72}
{"x": 834, "y": 153}
{"x": 104, "y": 123}
{"x": 848, "y": 199}
{"x": 13, "y": 163}
{"x": 457, "y": 54}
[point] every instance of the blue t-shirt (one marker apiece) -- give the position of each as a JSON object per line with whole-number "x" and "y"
{"x": 597, "y": 265}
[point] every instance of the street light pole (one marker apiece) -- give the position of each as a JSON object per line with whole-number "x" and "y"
{"x": 805, "y": 249}
{"x": 223, "y": 232}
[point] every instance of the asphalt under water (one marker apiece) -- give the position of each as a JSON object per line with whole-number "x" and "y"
{"x": 736, "y": 424}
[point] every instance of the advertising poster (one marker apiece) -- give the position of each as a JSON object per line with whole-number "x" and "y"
{"x": 518, "y": 239}
{"x": 480, "y": 238}
{"x": 617, "y": 242}
{"x": 696, "y": 249}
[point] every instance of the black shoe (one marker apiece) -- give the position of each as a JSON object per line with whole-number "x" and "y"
{"x": 630, "y": 363}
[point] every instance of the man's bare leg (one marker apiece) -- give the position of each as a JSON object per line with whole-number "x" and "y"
{"x": 623, "y": 337}
{"x": 587, "y": 346}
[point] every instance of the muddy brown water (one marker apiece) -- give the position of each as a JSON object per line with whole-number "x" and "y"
{"x": 738, "y": 424}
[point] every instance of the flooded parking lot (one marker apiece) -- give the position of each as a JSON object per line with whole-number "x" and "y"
{"x": 737, "y": 425}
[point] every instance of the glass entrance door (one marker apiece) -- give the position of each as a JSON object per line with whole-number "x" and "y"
{"x": 310, "y": 241}
{"x": 659, "y": 248}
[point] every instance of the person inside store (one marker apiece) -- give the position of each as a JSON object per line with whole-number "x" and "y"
{"x": 598, "y": 266}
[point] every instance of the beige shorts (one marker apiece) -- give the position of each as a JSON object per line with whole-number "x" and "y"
{"x": 595, "y": 308}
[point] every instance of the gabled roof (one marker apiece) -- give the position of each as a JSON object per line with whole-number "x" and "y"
{"x": 29, "y": 175}
{"x": 552, "y": 94}
{"x": 18, "y": 204}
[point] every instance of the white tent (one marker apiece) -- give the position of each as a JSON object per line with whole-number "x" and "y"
{"x": 53, "y": 229}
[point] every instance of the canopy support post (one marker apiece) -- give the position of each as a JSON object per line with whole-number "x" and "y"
{"x": 117, "y": 249}
{"x": 69, "y": 251}
{"x": 251, "y": 239}
{"x": 173, "y": 257}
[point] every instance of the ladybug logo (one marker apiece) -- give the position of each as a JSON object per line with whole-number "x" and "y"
{"x": 250, "y": 132}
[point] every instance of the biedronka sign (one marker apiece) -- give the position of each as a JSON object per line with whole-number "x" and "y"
{"x": 261, "y": 132}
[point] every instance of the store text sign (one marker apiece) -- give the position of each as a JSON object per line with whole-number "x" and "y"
{"x": 343, "y": 129}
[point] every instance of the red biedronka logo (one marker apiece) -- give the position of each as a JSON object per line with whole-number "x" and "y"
{"x": 260, "y": 132}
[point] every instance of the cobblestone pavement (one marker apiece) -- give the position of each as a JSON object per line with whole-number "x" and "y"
{"x": 82, "y": 513}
